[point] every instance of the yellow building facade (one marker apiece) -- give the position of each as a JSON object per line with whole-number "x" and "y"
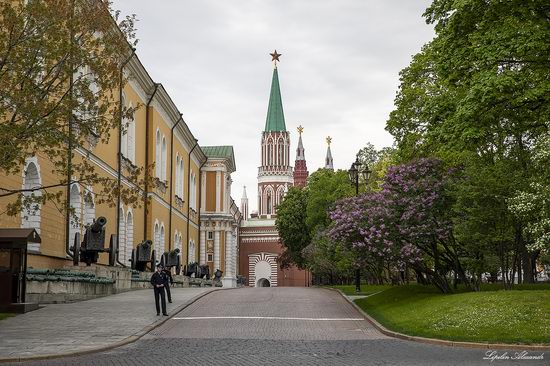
{"x": 169, "y": 217}
{"x": 220, "y": 216}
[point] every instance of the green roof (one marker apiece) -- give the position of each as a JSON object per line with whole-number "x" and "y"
{"x": 220, "y": 152}
{"x": 275, "y": 117}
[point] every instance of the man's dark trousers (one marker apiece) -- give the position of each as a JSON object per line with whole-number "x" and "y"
{"x": 159, "y": 292}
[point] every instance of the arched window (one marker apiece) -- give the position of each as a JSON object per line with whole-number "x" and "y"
{"x": 194, "y": 191}
{"x": 178, "y": 167}
{"x": 280, "y": 152}
{"x": 156, "y": 240}
{"x": 181, "y": 182}
{"x": 124, "y": 128}
{"x": 89, "y": 208}
{"x": 191, "y": 251}
{"x": 129, "y": 237}
{"x": 30, "y": 214}
{"x": 162, "y": 247}
{"x": 131, "y": 138}
{"x": 75, "y": 204}
{"x": 269, "y": 152}
{"x": 268, "y": 202}
{"x": 163, "y": 159}
{"x": 122, "y": 235}
{"x": 158, "y": 154}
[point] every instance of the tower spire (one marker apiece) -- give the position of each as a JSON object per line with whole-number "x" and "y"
{"x": 244, "y": 204}
{"x": 275, "y": 117}
{"x": 300, "y": 166}
{"x": 328, "y": 159}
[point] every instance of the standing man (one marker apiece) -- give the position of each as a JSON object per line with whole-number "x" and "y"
{"x": 158, "y": 279}
{"x": 169, "y": 281}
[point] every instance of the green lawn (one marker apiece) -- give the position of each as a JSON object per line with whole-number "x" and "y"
{"x": 5, "y": 315}
{"x": 365, "y": 289}
{"x": 518, "y": 316}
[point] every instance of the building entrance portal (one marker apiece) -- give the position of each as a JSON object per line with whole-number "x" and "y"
{"x": 262, "y": 282}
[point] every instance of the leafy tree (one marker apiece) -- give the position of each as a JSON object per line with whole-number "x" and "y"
{"x": 407, "y": 222}
{"x": 60, "y": 64}
{"x": 324, "y": 188}
{"x": 533, "y": 204}
{"x": 292, "y": 228}
{"x": 477, "y": 96}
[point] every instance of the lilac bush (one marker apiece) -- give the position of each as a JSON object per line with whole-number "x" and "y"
{"x": 406, "y": 223}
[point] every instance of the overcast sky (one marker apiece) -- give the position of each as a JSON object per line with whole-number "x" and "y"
{"x": 339, "y": 70}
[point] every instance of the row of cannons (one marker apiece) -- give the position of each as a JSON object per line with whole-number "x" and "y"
{"x": 143, "y": 258}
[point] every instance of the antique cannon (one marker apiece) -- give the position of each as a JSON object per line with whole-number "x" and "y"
{"x": 191, "y": 269}
{"x": 172, "y": 259}
{"x": 143, "y": 254}
{"x": 203, "y": 272}
{"x": 93, "y": 243}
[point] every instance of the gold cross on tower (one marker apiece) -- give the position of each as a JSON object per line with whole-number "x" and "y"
{"x": 300, "y": 130}
{"x": 329, "y": 140}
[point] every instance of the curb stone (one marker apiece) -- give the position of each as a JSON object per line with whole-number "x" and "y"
{"x": 442, "y": 342}
{"x": 130, "y": 339}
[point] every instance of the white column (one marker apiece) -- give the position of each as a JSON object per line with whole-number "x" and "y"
{"x": 228, "y": 245}
{"x": 216, "y": 250}
{"x": 203, "y": 247}
{"x": 235, "y": 250}
{"x": 230, "y": 278}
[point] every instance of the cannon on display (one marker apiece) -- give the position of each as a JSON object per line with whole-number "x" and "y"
{"x": 192, "y": 268}
{"x": 203, "y": 271}
{"x": 93, "y": 243}
{"x": 199, "y": 270}
{"x": 143, "y": 254}
{"x": 172, "y": 259}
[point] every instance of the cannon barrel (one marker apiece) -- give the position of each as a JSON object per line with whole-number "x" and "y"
{"x": 98, "y": 224}
{"x": 177, "y": 250}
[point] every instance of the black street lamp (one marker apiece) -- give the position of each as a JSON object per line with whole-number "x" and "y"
{"x": 354, "y": 172}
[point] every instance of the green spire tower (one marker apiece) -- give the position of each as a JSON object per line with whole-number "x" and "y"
{"x": 275, "y": 175}
{"x": 275, "y": 117}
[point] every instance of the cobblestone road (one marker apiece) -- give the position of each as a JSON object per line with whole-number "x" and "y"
{"x": 277, "y": 326}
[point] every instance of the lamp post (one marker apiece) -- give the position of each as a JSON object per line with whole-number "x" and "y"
{"x": 354, "y": 172}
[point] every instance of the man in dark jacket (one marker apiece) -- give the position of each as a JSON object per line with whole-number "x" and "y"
{"x": 158, "y": 279}
{"x": 169, "y": 281}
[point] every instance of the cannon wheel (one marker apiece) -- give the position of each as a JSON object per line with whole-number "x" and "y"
{"x": 178, "y": 266}
{"x": 112, "y": 253}
{"x": 133, "y": 259}
{"x": 153, "y": 260}
{"x": 76, "y": 249}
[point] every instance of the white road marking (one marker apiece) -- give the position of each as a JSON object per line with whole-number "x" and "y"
{"x": 265, "y": 317}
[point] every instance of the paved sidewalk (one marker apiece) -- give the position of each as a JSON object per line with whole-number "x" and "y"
{"x": 84, "y": 326}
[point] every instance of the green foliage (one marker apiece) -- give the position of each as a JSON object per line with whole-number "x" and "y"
{"x": 486, "y": 316}
{"x": 5, "y": 315}
{"x": 59, "y": 80}
{"x": 291, "y": 224}
{"x": 329, "y": 261}
{"x": 478, "y": 96}
{"x": 324, "y": 188}
{"x": 533, "y": 204}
